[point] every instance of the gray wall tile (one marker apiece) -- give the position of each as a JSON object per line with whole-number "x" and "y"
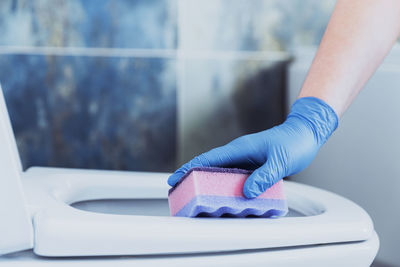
{"x": 224, "y": 99}
{"x": 89, "y": 23}
{"x": 92, "y": 112}
{"x": 251, "y": 24}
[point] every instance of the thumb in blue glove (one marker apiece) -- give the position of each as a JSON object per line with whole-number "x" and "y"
{"x": 281, "y": 151}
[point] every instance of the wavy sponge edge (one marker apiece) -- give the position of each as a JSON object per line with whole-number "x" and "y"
{"x": 217, "y": 192}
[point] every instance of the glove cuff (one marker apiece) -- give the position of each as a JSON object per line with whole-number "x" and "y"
{"x": 318, "y": 114}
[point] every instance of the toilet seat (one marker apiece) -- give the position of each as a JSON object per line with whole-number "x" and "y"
{"x": 61, "y": 230}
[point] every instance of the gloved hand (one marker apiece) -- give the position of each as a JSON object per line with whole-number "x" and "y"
{"x": 281, "y": 151}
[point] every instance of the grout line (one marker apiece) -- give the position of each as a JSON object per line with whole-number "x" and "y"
{"x": 180, "y": 75}
{"x": 145, "y": 53}
{"x": 180, "y": 95}
{"x": 85, "y": 51}
{"x": 229, "y": 55}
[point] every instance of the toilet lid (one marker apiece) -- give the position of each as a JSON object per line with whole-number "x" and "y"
{"x": 15, "y": 224}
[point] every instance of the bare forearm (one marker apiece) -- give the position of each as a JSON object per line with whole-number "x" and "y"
{"x": 359, "y": 35}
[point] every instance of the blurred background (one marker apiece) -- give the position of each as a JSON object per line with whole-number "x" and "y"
{"x": 147, "y": 84}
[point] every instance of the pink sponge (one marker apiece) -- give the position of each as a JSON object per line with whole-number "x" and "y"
{"x": 216, "y": 192}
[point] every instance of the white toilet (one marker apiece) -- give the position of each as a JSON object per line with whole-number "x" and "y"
{"x": 50, "y": 217}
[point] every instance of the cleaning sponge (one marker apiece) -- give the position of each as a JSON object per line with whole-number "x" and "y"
{"x": 216, "y": 192}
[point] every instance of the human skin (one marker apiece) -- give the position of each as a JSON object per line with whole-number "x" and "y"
{"x": 359, "y": 35}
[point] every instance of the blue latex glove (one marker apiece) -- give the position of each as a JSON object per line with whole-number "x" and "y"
{"x": 281, "y": 151}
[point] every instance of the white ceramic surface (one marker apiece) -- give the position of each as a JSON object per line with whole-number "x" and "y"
{"x": 15, "y": 224}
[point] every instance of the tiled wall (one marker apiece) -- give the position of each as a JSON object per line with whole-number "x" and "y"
{"x": 146, "y": 84}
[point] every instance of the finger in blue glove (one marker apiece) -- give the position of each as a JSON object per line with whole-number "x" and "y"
{"x": 275, "y": 153}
